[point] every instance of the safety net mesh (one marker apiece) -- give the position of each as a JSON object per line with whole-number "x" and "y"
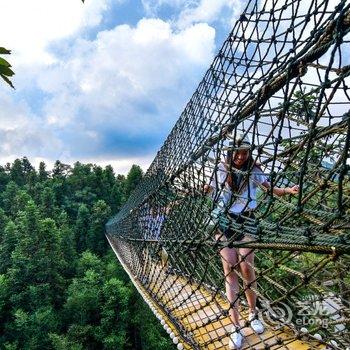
{"x": 279, "y": 85}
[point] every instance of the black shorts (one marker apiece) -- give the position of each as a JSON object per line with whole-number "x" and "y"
{"x": 225, "y": 224}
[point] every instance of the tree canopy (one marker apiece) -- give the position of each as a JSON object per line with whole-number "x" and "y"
{"x": 61, "y": 287}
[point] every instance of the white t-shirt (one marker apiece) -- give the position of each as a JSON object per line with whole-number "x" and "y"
{"x": 239, "y": 200}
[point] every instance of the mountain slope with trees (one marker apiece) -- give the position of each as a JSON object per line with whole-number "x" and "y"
{"x": 61, "y": 287}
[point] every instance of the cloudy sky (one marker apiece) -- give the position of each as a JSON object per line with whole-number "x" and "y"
{"x": 103, "y": 82}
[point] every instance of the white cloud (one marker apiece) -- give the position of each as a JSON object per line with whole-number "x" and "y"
{"x": 27, "y": 27}
{"x": 22, "y": 133}
{"x": 151, "y": 7}
{"x": 197, "y": 11}
{"x": 11, "y": 115}
{"x": 130, "y": 82}
{"x": 125, "y": 72}
{"x": 133, "y": 81}
{"x": 208, "y": 11}
{"x": 122, "y": 165}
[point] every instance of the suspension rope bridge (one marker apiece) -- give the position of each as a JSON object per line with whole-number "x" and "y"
{"x": 281, "y": 81}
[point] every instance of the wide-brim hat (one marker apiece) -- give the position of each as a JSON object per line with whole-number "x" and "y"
{"x": 238, "y": 141}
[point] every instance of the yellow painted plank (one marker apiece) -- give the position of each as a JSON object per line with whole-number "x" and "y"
{"x": 197, "y": 311}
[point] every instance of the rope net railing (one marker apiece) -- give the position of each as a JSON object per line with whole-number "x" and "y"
{"x": 208, "y": 237}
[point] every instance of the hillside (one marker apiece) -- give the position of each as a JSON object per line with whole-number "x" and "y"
{"x": 61, "y": 287}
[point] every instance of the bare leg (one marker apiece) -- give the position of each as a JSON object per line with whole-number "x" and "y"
{"x": 229, "y": 258}
{"x": 146, "y": 265}
{"x": 164, "y": 258}
{"x": 246, "y": 257}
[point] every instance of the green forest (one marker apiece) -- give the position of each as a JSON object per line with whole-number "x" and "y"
{"x": 61, "y": 286}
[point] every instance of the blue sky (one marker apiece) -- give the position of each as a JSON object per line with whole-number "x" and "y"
{"x": 106, "y": 81}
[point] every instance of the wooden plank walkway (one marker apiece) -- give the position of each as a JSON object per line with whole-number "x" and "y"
{"x": 195, "y": 314}
{"x": 203, "y": 316}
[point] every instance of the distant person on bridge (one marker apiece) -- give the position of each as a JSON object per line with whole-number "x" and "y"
{"x": 151, "y": 222}
{"x": 234, "y": 186}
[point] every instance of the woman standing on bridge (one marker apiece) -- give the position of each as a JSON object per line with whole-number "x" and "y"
{"x": 234, "y": 187}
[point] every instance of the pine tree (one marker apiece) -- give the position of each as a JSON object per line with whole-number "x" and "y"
{"x": 133, "y": 178}
{"x": 43, "y": 174}
{"x": 36, "y": 262}
{"x": 82, "y": 226}
{"x": 96, "y": 240}
{"x": 48, "y": 202}
{"x": 4, "y": 179}
{"x": 9, "y": 241}
{"x": 61, "y": 170}
{"x": 7, "y": 196}
{"x": 17, "y": 173}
